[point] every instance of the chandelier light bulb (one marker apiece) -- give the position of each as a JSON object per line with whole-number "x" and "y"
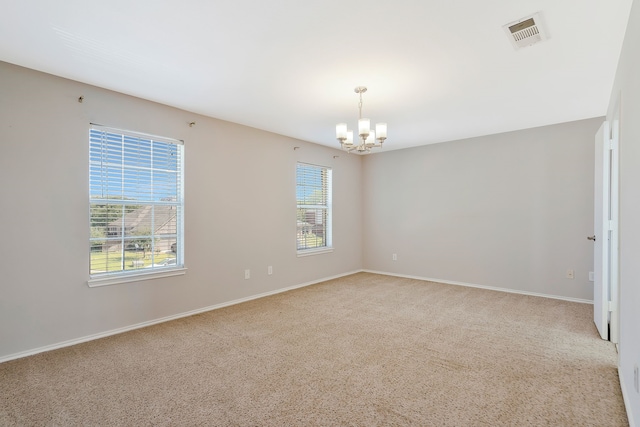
{"x": 364, "y": 126}
{"x": 341, "y": 131}
{"x": 349, "y": 138}
{"x": 370, "y": 141}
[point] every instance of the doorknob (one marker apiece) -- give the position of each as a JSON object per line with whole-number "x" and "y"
{"x": 591, "y": 238}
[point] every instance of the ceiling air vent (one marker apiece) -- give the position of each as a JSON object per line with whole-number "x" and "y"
{"x": 526, "y": 31}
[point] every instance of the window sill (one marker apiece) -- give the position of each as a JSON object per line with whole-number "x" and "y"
{"x": 309, "y": 252}
{"x": 134, "y": 277}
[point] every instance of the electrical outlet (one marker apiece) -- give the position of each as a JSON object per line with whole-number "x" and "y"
{"x": 270, "y": 270}
{"x": 247, "y": 274}
{"x": 636, "y": 378}
{"x": 570, "y": 274}
{"x": 394, "y": 257}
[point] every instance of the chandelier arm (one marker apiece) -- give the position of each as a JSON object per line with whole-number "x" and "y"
{"x": 349, "y": 150}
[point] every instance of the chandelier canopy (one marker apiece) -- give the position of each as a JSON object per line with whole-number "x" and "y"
{"x": 368, "y": 139}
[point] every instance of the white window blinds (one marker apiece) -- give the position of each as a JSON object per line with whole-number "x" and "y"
{"x": 313, "y": 194}
{"x": 136, "y": 202}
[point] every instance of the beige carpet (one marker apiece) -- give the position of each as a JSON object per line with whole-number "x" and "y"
{"x": 363, "y": 350}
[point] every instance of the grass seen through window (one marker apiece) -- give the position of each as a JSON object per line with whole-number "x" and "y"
{"x": 133, "y": 260}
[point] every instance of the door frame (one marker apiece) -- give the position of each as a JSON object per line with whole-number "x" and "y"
{"x": 606, "y": 193}
{"x": 614, "y": 248}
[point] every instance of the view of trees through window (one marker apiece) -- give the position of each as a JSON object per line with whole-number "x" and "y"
{"x": 135, "y": 202}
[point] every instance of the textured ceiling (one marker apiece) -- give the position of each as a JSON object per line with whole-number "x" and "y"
{"x": 436, "y": 70}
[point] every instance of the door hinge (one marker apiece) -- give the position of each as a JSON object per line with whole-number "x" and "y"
{"x": 610, "y": 306}
{"x": 612, "y": 225}
{"x": 613, "y": 144}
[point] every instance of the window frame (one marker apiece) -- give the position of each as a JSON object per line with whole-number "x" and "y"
{"x": 145, "y": 196}
{"x": 326, "y": 206}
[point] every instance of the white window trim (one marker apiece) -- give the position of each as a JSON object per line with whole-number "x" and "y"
{"x": 129, "y": 276}
{"x": 314, "y": 251}
{"x": 328, "y": 248}
{"x": 134, "y": 277}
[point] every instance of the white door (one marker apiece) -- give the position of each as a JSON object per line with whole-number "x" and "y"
{"x": 601, "y": 232}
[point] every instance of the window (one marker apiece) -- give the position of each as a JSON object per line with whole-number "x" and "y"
{"x": 313, "y": 194}
{"x": 136, "y": 203}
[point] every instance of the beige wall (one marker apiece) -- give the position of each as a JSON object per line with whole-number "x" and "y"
{"x": 626, "y": 91}
{"x": 510, "y": 211}
{"x": 239, "y": 212}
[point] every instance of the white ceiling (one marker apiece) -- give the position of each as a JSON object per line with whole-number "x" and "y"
{"x": 436, "y": 70}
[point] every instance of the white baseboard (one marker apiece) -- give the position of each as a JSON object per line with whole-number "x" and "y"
{"x": 253, "y": 297}
{"x": 491, "y": 288}
{"x": 92, "y": 337}
{"x": 625, "y": 397}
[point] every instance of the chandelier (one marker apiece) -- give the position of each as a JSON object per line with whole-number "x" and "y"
{"x": 367, "y": 137}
